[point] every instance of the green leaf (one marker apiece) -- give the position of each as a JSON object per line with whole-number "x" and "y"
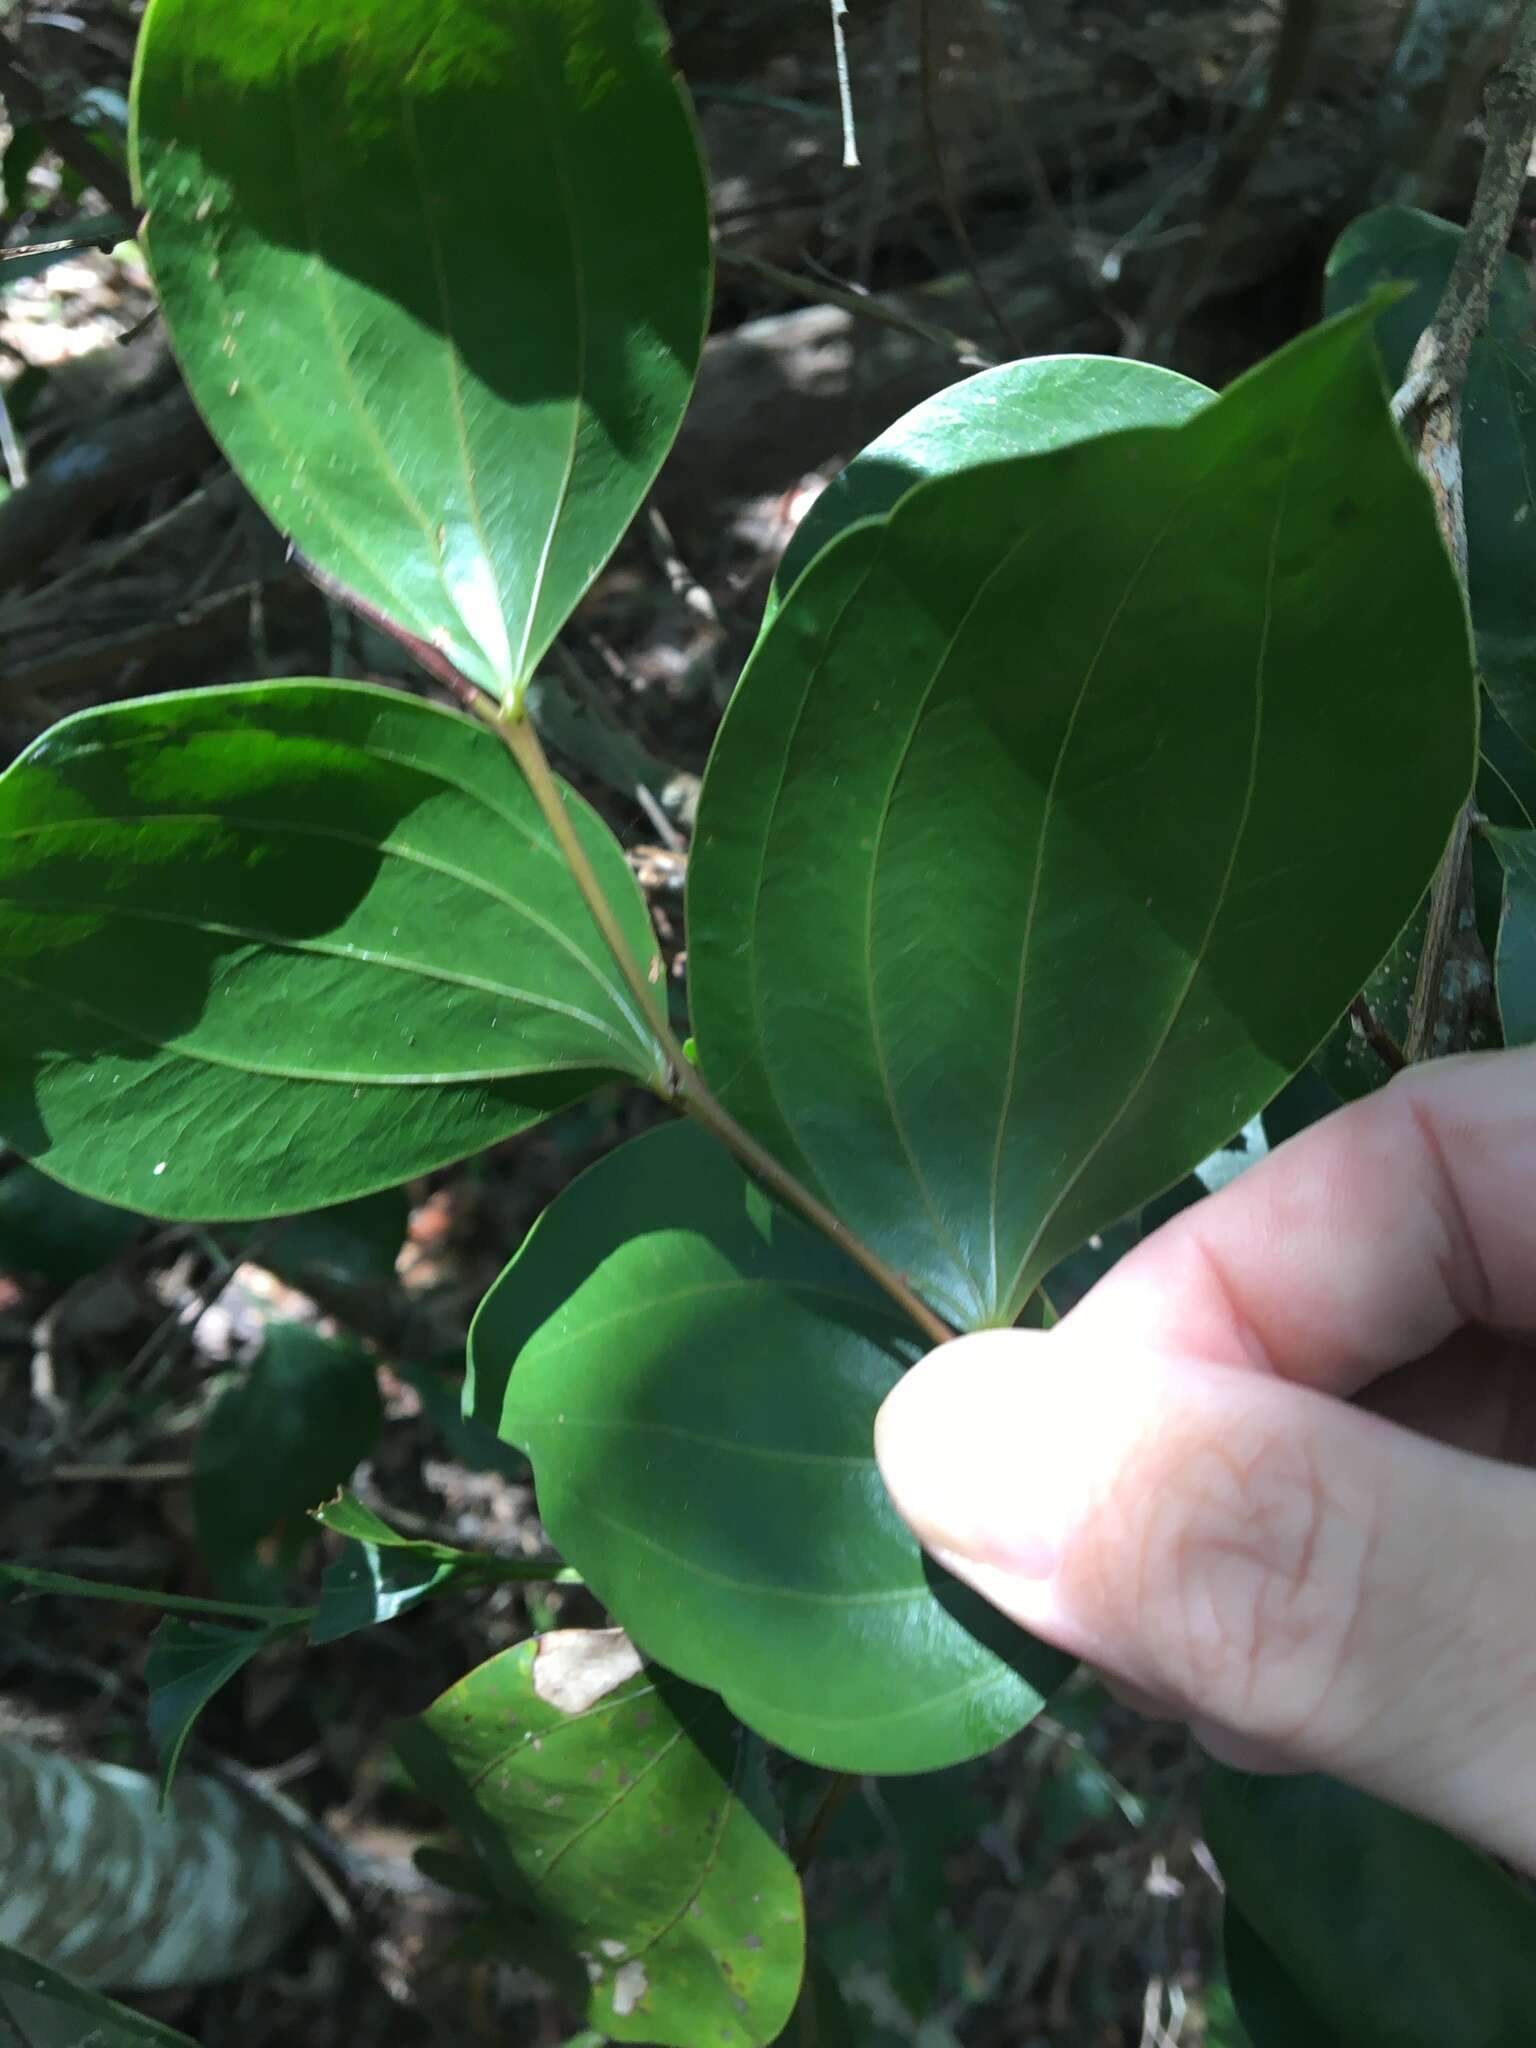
{"x": 437, "y": 272}
{"x": 1273, "y": 2013}
{"x": 1397, "y": 244}
{"x": 1506, "y": 776}
{"x": 695, "y": 1376}
{"x": 188, "y": 1662}
{"x": 353, "y": 1245}
{"x": 1015, "y": 885}
{"x": 42, "y": 2008}
{"x": 1515, "y": 972}
{"x": 628, "y": 1827}
{"x": 278, "y": 1443}
{"x": 381, "y": 1573}
{"x": 1016, "y": 409}
{"x": 50, "y": 1232}
{"x": 1398, "y": 1935}
{"x": 273, "y": 947}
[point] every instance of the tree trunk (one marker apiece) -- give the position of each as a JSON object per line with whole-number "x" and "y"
{"x": 97, "y": 1882}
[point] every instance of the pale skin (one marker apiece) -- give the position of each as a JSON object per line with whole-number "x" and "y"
{"x": 1276, "y": 1474}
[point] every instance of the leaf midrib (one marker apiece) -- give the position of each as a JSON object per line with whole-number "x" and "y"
{"x": 412, "y": 856}
{"x": 321, "y": 1077}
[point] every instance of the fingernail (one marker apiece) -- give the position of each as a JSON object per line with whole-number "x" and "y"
{"x": 971, "y": 1452}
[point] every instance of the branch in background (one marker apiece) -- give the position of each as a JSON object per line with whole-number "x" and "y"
{"x": 93, "y": 472}
{"x": 864, "y": 305}
{"x": 65, "y": 137}
{"x": 952, "y": 212}
{"x": 1429, "y": 407}
{"x": 1184, "y": 282}
{"x": 1443, "y": 52}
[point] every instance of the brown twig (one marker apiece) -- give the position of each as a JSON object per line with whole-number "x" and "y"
{"x": 865, "y": 306}
{"x": 1377, "y": 1036}
{"x": 1429, "y": 406}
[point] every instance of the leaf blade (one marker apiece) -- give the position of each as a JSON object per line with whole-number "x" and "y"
{"x": 282, "y": 945}
{"x": 1515, "y": 966}
{"x": 1028, "y": 970}
{"x": 46, "y": 2009}
{"x": 188, "y": 1662}
{"x": 1395, "y": 1932}
{"x": 626, "y": 1827}
{"x": 734, "y": 1520}
{"x": 467, "y": 440}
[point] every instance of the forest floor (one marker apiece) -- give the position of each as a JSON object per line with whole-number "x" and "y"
{"x": 1045, "y": 178}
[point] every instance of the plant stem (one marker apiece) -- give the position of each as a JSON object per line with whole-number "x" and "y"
{"x": 519, "y": 736}
{"x": 35, "y": 1581}
{"x": 687, "y": 1085}
{"x": 1429, "y": 404}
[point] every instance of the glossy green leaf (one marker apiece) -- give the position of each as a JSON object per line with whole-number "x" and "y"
{"x": 695, "y": 1376}
{"x": 381, "y": 1574}
{"x": 188, "y": 1662}
{"x": 278, "y": 1443}
{"x": 1015, "y": 885}
{"x": 1016, "y": 409}
{"x": 627, "y": 1824}
{"x": 272, "y": 947}
{"x": 42, "y": 2008}
{"x": 1273, "y": 2013}
{"x": 51, "y": 1233}
{"x": 1515, "y": 969}
{"x": 437, "y": 272}
{"x": 1397, "y": 244}
{"x": 1397, "y": 1934}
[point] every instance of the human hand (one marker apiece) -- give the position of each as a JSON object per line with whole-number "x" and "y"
{"x": 1273, "y": 1475}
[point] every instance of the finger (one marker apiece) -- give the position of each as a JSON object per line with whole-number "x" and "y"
{"x": 1311, "y": 1578}
{"x": 1361, "y": 1244}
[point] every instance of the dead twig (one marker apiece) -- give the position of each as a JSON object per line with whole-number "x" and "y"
{"x": 1429, "y": 406}
{"x": 947, "y": 199}
{"x": 96, "y": 470}
{"x": 863, "y": 306}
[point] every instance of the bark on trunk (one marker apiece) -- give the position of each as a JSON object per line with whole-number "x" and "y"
{"x": 97, "y": 1882}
